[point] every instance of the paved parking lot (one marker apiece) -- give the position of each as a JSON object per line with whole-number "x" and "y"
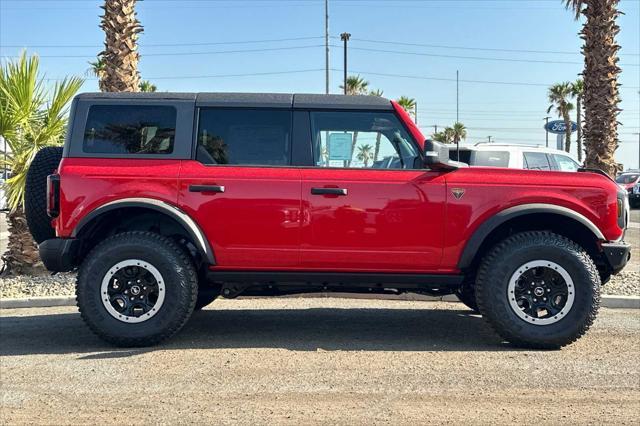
{"x": 304, "y": 361}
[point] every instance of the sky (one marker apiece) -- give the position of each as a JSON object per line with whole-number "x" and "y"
{"x": 507, "y": 53}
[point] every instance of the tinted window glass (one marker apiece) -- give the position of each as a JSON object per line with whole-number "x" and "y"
{"x": 565, "y": 164}
{"x": 536, "y": 161}
{"x": 361, "y": 140}
{"x": 490, "y": 158}
{"x": 627, "y": 178}
{"x": 130, "y": 129}
{"x": 244, "y": 137}
{"x": 464, "y": 156}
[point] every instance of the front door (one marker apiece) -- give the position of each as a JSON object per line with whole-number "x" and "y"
{"x": 367, "y": 204}
{"x": 241, "y": 189}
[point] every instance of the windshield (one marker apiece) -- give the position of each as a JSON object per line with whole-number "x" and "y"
{"x": 629, "y": 178}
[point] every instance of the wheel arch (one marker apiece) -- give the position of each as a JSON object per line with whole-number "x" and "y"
{"x": 136, "y": 206}
{"x": 525, "y": 217}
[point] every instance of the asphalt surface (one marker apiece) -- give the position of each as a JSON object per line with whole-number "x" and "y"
{"x": 311, "y": 361}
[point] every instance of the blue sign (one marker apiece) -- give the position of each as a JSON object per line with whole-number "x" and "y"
{"x": 559, "y": 128}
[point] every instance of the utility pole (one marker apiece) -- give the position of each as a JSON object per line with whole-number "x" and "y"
{"x": 326, "y": 44}
{"x": 345, "y": 38}
{"x": 415, "y": 112}
{"x": 457, "y": 96}
{"x": 546, "y": 119}
{"x": 489, "y": 137}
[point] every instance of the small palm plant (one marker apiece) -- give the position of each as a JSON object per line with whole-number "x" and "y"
{"x": 147, "y": 86}
{"x": 577, "y": 91}
{"x": 559, "y": 96}
{"x": 408, "y": 104}
{"x": 356, "y": 85}
{"x": 31, "y": 117}
{"x": 365, "y": 154}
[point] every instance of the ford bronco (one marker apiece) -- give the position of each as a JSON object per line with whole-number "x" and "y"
{"x": 163, "y": 202}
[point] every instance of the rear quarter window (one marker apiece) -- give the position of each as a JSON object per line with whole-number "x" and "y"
{"x": 130, "y": 129}
{"x": 490, "y": 158}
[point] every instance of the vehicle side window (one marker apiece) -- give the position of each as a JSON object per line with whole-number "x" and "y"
{"x": 490, "y": 158}
{"x": 374, "y": 140}
{"x": 536, "y": 161}
{"x": 130, "y": 129}
{"x": 260, "y": 137}
{"x": 565, "y": 163}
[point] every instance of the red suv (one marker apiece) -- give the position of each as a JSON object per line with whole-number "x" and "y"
{"x": 163, "y": 202}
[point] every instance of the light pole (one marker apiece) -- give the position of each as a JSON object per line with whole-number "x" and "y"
{"x": 326, "y": 43}
{"x": 345, "y": 38}
{"x": 546, "y": 129}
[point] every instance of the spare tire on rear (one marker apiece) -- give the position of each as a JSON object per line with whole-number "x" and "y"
{"x": 45, "y": 163}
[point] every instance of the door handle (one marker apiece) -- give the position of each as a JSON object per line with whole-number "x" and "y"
{"x": 328, "y": 191}
{"x": 206, "y": 188}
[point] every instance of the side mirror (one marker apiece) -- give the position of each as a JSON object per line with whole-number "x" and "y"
{"x": 436, "y": 157}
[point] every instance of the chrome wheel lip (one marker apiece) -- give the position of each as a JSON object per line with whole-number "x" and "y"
{"x": 105, "y": 285}
{"x": 535, "y": 264}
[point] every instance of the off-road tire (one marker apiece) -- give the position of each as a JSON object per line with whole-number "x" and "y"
{"x": 500, "y": 264}
{"x": 44, "y": 163}
{"x": 176, "y": 268}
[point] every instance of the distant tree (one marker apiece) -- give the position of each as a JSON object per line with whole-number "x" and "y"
{"x": 577, "y": 91}
{"x": 559, "y": 96}
{"x": 601, "y": 90}
{"x": 408, "y": 104}
{"x": 356, "y": 85}
{"x": 379, "y": 93}
{"x": 120, "y": 55}
{"x": 364, "y": 154}
{"x": 147, "y": 86}
{"x": 444, "y": 136}
{"x": 458, "y": 132}
{"x": 97, "y": 70}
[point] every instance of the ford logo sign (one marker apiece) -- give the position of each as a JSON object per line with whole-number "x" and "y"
{"x": 558, "y": 127}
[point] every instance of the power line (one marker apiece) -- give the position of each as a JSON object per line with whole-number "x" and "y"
{"x": 275, "y": 40}
{"x": 253, "y": 74}
{"x": 265, "y": 49}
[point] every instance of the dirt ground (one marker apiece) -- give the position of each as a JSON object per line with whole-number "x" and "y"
{"x": 312, "y": 361}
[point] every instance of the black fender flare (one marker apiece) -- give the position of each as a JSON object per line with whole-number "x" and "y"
{"x": 192, "y": 228}
{"x": 489, "y": 225}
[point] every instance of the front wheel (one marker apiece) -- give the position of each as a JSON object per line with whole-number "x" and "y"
{"x": 538, "y": 290}
{"x": 136, "y": 289}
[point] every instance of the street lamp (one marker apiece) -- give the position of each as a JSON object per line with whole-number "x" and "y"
{"x": 345, "y": 37}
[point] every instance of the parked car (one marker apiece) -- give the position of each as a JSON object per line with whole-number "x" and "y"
{"x": 634, "y": 195}
{"x": 628, "y": 181}
{"x": 531, "y": 157}
{"x": 164, "y": 201}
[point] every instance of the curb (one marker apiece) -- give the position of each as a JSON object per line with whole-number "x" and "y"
{"x": 611, "y": 302}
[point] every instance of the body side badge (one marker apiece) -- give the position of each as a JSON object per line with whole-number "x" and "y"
{"x": 457, "y": 192}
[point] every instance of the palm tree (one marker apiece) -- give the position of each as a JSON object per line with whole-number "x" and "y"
{"x": 364, "y": 154}
{"x": 97, "y": 70}
{"x": 601, "y": 93}
{"x": 408, "y": 104}
{"x": 120, "y": 55}
{"x": 31, "y": 117}
{"x": 559, "y": 95}
{"x": 376, "y": 152}
{"x": 356, "y": 85}
{"x": 147, "y": 86}
{"x": 577, "y": 91}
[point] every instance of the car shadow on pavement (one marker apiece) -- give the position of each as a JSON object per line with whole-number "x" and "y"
{"x": 327, "y": 329}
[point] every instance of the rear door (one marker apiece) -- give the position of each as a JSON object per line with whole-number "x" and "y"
{"x": 367, "y": 203}
{"x": 241, "y": 189}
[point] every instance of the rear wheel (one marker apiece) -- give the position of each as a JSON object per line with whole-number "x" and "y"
{"x": 538, "y": 290}
{"x": 136, "y": 289}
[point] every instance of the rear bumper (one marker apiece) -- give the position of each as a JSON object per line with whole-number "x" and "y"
{"x": 617, "y": 254}
{"x": 58, "y": 254}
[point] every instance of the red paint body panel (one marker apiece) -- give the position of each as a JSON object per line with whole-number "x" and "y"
{"x": 255, "y": 223}
{"x": 88, "y": 183}
{"x": 390, "y": 220}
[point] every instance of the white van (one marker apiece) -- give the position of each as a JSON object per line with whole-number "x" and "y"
{"x": 532, "y": 157}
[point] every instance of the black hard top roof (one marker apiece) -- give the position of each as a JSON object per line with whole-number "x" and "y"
{"x": 254, "y": 100}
